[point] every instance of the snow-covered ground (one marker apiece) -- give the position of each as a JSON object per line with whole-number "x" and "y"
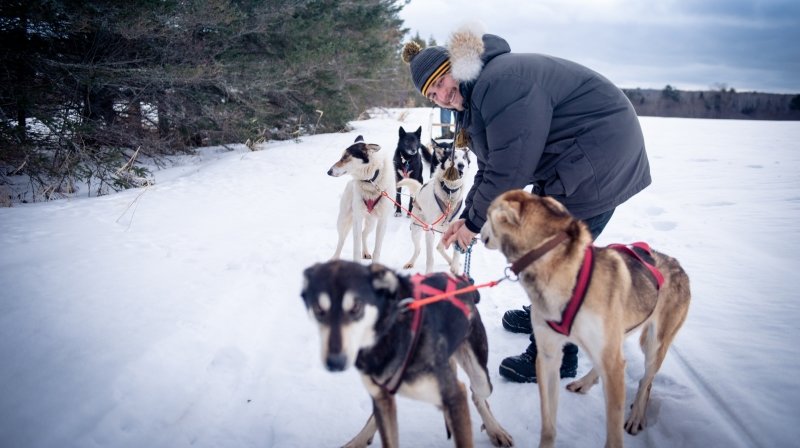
{"x": 170, "y": 316}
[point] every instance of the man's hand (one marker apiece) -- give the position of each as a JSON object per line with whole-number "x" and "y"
{"x": 458, "y": 232}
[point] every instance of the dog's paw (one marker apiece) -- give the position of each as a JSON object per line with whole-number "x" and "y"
{"x": 499, "y": 437}
{"x": 398, "y": 214}
{"x": 408, "y": 265}
{"x": 581, "y": 386}
{"x": 367, "y": 256}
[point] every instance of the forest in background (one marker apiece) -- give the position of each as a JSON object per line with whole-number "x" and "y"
{"x": 722, "y": 103}
{"x": 89, "y": 86}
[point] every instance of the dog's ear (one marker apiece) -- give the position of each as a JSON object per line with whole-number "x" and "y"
{"x": 554, "y": 206}
{"x": 440, "y": 152}
{"x": 401, "y": 132}
{"x": 360, "y": 138}
{"x": 418, "y": 132}
{"x": 383, "y": 279}
{"x": 372, "y": 147}
{"x": 510, "y": 206}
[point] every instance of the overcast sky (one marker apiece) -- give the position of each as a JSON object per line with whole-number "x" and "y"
{"x": 749, "y": 45}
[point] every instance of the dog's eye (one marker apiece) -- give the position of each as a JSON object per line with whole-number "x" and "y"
{"x": 319, "y": 313}
{"x": 357, "y": 309}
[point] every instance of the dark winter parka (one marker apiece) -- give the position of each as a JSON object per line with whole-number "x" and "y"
{"x": 539, "y": 120}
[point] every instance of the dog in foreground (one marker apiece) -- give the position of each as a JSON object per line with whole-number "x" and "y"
{"x": 622, "y": 296}
{"x": 437, "y": 203}
{"x": 363, "y": 207}
{"x": 363, "y": 321}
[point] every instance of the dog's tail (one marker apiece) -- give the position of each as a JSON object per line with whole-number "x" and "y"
{"x": 427, "y": 154}
{"x": 413, "y": 185}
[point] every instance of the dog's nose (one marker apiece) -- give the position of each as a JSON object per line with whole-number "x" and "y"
{"x": 460, "y": 167}
{"x": 330, "y": 172}
{"x": 336, "y": 362}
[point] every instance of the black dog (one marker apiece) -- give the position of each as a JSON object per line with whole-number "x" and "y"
{"x": 363, "y": 322}
{"x": 407, "y": 160}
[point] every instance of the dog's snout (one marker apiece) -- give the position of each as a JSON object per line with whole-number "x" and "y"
{"x": 330, "y": 172}
{"x": 336, "y": 362}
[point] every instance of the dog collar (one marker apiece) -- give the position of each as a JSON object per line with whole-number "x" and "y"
{"x": 448, "y": 190}
{"x": 373, "y": 177}
{"x": 537, "y": 253}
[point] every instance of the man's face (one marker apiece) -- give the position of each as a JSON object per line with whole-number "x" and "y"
{"x": 445, "y": 94}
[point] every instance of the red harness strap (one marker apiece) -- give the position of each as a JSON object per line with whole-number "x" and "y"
{"x": 370, "y": 203}
{"x": 578, "y": 294}
{"x": 585, "y": 277}
{"x": 423, "y": 291}
{"x": 657, "y": 276}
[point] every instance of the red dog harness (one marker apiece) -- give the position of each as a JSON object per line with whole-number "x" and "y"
{"x": 585, "y": 277}
{"x": 422, "y": 290}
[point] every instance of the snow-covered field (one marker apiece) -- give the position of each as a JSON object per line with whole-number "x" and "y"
{"x": 170, "y": 316}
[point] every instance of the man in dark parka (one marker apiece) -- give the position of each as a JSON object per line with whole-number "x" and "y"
{"x": 533, "y": 119}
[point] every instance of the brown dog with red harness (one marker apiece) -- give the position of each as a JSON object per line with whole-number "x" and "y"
{"x": 364, "y": 319}
{"x": 590, "y": 296}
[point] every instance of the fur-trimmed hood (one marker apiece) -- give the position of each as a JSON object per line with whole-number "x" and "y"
{"x": 470, "y": 49}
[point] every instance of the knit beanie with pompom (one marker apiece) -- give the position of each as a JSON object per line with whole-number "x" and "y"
{"x": 426, "y": 65}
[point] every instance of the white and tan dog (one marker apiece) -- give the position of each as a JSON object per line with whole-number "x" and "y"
{"x": 549, "y": 248}
{"x": 363, "y": 205}
{"x": 437, "y": 203}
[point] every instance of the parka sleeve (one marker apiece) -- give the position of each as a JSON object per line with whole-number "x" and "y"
{"x": 516, "y": 114}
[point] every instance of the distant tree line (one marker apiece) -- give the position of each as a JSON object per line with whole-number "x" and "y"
{"x": 722, "y": 103}
{"x": 86, "y": 84}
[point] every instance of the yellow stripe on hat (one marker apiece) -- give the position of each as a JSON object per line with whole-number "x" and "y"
{"x": 444, "y": 68}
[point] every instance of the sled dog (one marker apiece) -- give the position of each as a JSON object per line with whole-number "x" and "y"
{"x": 363, "y": 206}
{"x": 363, "y": 321}
{"x": 549, "y": 248}
{"x": 429, "y": 153}
{"x": 408, "y": 161}
{"x": 437, "y": 203}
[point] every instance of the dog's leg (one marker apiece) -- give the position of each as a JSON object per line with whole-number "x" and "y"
{"x": 364, "y": 437}
{"x": 369, "y": 227}
{"x": 358, "y": 226}
{"x": 548, "y": 362}
{"x": 416, "y": 236}
{"x": 429, "y": 237}
{"x": 583, "y": 385}
{"x": 454, "y": 403}
{"x": 379, "y": 234}
{"x": 612, "y": 371}
{"x": 343, "y": 225}
{"x": 656, "y": 337}
{"x": 398, "y": 198}
{"x": 454, "y": 262}
{"x": 384, "y": 409}
{"x": 481, "y": 387}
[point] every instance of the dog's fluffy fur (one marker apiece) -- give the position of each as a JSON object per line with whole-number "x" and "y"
{"x": 408, "y": 161}
{"x": 372, "y": 175}
{"x": 361, "y": 322}
{"x": 440, "y": 197}
{"x": 621, "y": 298}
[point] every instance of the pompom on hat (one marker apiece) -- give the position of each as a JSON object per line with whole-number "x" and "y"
{"x": 426, "y": 65}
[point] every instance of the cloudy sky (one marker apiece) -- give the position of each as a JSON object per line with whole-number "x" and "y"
{"x": 748, "y": 45}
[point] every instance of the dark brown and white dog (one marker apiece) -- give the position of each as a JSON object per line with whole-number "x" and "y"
{"x": 363, "y": 205}
{"x": 437, "y": 203}
{"x": 362, "y": 320}
{"x": 622, "y": 297}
